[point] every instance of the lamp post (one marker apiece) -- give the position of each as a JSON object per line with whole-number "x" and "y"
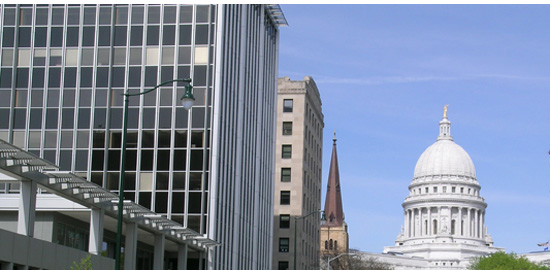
{"x": 296, "y": 229}
{"x": 187, "y": 102}
{"x": 334, "y": 258}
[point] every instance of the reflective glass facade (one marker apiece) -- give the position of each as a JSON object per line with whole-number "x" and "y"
{"x": 63, "y": 72}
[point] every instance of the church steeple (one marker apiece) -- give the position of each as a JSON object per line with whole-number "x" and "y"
{"x": 334, "y": 212}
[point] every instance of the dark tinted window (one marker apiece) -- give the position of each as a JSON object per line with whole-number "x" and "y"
{"x": 86, "y": 76}
{"x": 22, "y": 77}
{"x": 54, "y": 77}
{"x": 5, "y": 78}
{"x": 57, "y": 37}
{"x": 70, "y": 77}
{"x": 201, "y": 34}
{"x": 7, "y": 36}
{"x": 168, "y": 35}
{"x": 72, "y": 36}
{"x": 24, "y": 37}
{"x": 40, "y": 35}
{"x": 104, "y": 38}
{"x": 120, "y": 35}
{"x": 152, "y": 35}
{"x": 136, "y": 36}
{"x": 185, "y": 34}
{"x": 88, "y": 36}
{"x": 38, "y": 77}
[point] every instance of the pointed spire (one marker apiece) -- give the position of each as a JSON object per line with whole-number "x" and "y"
{"x": 334, "y": 212}
{"x": 445, "y": 127}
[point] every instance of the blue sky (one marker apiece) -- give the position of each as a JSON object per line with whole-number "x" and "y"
{"x": 386, "y": 71}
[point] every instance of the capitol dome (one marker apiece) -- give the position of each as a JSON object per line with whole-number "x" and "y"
{"x": 444, "y": 157}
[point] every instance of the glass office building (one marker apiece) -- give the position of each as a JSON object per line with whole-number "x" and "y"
{"x": 63, "y": 72}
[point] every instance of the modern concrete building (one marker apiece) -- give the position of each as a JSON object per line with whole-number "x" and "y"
{"x": 297, "y": 193}
{"x": 64, "y": 68}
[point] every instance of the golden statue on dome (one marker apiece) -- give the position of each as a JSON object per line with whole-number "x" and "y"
{"x": 445, "y": 111}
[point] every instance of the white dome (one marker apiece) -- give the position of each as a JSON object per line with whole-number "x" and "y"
{"x": 444, "y": 157}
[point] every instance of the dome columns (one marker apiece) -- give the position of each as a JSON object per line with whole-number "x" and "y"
{"x": 430, "y": 221}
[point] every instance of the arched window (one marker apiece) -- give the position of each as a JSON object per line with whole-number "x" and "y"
{"x": 326, "y": 244}
{"x": 330, "y": 244}
{"x": 435, "y": 227}
{"x": 336, "y": 245}
{"x": 462, "y": 227}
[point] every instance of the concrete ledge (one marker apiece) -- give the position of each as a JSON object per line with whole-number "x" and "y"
{"x": 28, "y": 251}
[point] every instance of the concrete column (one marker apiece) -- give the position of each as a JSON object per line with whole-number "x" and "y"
{"x": 182, "y": 257}
{"x": 201, "y": 258}
{"x": 158, "y": 257}
{"x": 413, "y": 221}
{"x": 459, "y": 226}
{"x": 469, "y": 230}
{"x": 482, "y": 227}
{"x": 27, "y": 208}
{"x": 407, "y": 223}
{"x": 130, "y": 246}
{"x": 96, "y": 231}
{"x": 476, "y": 223}
{"x": 420, "y": 223}
{"x": 430, "y": 221}
{"x": 7, "y": 266}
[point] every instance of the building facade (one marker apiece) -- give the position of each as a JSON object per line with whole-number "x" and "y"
{"x": 63, "y": 72}
{"x": 297, "y": 192}
{"x": 334, "y": 232}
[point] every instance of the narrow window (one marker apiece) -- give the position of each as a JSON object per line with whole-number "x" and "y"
{"x": 284, "y": 221}
{"x": 285, "y": 174}
{"x": 287, "y": 105}
{"x": 283, "y": 265}
{"x": 435, "y": 227}
{"x": 287, "y": 128}
{"x": 285, "y": 197}
{"x": 283, "y": 244}
{"x": 287, "y": 151}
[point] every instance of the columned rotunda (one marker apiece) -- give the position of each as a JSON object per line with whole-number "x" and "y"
{"x": 444, "y": 214}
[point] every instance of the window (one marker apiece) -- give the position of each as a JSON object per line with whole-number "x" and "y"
{"x": 285, "y": 174}
{"x": 284, "y": 221}
{"x": 287, "y": 128}
{"x": 435, "y": 189}
{"x": 283, "y": 266}
{"x": 287, "y": 105}
{"x": 427, "y": 190}
{"x": 285, "y": 197}
{"x": 453, "y": 189}
{"x": 444, "y": 189}
{"x": 287, "y": 151}
{"x": 283, "y": 244}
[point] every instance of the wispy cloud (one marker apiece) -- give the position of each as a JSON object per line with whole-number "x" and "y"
{"x": 516, "y": 198}
{"x": 415, "y": 79}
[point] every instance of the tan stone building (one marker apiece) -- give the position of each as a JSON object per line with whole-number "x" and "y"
{"x": 334, "y": 232}
{"x": 298, "y": 179}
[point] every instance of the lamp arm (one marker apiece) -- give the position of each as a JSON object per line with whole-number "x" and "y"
{"x": 188, "y": 80}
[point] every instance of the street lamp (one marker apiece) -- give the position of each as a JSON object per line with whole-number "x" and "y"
{"x": 296, "y": 229}
{"x": 187, "y": 102}
{"x": 339, "y": 255}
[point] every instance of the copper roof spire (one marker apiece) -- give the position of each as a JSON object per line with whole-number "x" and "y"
{"x": 334, "y": 212}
